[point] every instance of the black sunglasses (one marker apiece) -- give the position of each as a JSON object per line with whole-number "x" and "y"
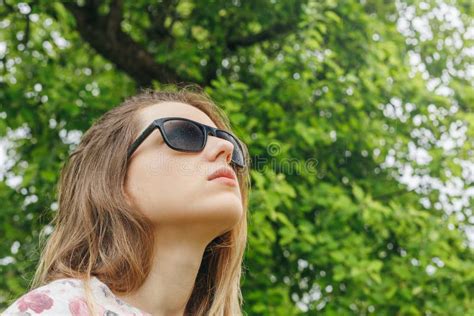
{"x": 187, "y": 135}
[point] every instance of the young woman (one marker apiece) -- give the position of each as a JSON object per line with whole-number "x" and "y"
{"x": 152, "y": 216}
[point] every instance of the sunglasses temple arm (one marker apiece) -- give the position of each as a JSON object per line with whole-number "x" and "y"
{"x": 140, "y": 139}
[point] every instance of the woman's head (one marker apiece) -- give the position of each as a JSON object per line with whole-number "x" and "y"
{"x": 108, "y": 204}
{"x": 171, "y": 187}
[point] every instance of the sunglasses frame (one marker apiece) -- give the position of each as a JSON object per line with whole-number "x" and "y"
{"x": 206, "y": 129}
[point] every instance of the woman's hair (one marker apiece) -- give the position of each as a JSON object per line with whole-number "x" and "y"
{"x": 96, "y": 231}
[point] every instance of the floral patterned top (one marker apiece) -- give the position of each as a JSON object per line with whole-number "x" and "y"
{"x": 67, "y": 297}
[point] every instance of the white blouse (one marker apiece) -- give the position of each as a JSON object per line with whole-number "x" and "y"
{"x": 67, "y": 297}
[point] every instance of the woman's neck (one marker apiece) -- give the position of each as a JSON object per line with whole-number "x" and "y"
{"x": 170, "y": 282}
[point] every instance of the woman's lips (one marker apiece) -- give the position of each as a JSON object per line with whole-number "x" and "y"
{"x": 223, "y": 175}
{"x": 222, "y": 172}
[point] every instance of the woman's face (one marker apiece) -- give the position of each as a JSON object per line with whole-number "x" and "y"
{"x": 171, "y": 187}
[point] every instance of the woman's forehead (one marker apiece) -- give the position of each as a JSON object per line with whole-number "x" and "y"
{"x": 178, "y": 109}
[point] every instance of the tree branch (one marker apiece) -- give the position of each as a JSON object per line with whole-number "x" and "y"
{"x": 106, "y": 37}
{"x": 114, "y": 18}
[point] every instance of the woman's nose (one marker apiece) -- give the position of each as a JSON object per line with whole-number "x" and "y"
{"x": 219, "y": 149}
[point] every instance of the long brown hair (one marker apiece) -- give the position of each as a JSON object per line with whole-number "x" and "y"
{"x": 95, "y": 231}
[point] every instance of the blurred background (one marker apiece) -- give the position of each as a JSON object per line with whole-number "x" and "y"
{"x": 358, "y": 116}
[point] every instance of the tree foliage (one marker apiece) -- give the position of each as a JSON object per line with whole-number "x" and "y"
{"x": 358, "y": 116}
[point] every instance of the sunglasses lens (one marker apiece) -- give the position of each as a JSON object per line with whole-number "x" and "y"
{"x": 184, "y": 135}
{"x": 237, "y": 154}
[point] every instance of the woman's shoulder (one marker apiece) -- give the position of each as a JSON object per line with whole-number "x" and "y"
{"x": 59, "y": 297}
{"x": 68, "y": 297}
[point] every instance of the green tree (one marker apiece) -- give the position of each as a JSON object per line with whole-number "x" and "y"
{"x": 358, "y": 116}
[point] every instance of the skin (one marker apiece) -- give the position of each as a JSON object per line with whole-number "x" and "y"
{"x": 171, "y": 188}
